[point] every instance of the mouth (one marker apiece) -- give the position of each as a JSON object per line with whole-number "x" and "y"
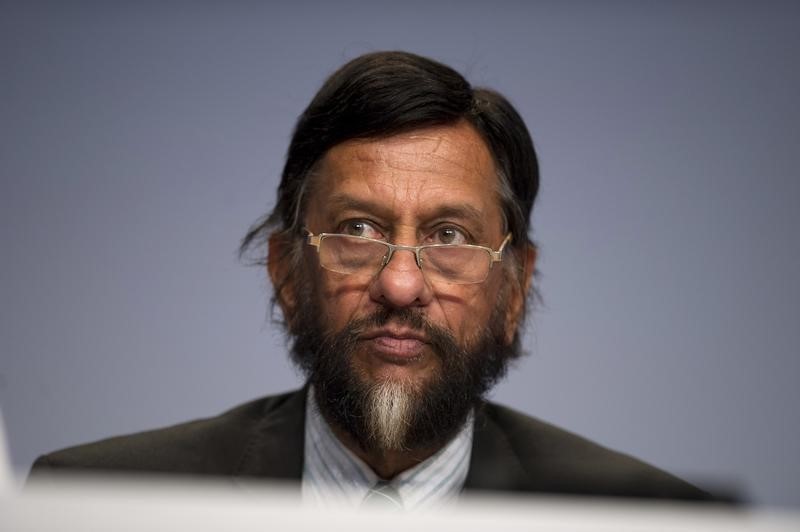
{"x": 396, "y": 346}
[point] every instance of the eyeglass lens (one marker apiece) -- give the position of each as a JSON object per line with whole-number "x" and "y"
{"x": 344, "y": 254}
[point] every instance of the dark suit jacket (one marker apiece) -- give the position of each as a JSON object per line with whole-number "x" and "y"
{"x": 264, "y": 439}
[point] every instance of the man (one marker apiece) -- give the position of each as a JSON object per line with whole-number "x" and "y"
{"x": 400, "y": 259}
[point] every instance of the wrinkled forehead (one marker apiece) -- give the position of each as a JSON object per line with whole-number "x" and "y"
{"x": 453, "y": 151}
{"x": 418, "y": 169}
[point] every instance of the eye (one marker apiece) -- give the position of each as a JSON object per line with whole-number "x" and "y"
{"x": 359, "y": 228}
{"x": 449, "y": 235}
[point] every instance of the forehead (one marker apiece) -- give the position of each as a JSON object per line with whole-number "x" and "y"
{"x": 414, "y": 174}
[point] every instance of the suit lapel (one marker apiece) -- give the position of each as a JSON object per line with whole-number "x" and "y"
{"x": 494, "y": 465}
{"x": 275, "y": 448}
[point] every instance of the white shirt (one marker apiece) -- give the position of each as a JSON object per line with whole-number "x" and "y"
{"x": 334, "y": 477}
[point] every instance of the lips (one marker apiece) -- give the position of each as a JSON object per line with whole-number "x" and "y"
{"x": 397, "y": 346}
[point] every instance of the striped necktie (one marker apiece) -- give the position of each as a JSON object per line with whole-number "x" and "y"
{"x": 383, "y": 496}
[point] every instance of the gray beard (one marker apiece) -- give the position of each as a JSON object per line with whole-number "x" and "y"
{"x": 388, "y": 410}
{"x": 396, "y": 415}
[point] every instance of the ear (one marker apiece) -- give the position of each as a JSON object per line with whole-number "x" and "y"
{"x": 279, "y": 269}
{"x": 519, "y": 292}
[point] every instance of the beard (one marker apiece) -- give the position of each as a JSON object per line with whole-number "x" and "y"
{"x": 398, "y": 414}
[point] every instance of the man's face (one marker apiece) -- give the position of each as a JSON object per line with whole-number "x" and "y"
{"x": 430, "y": 186}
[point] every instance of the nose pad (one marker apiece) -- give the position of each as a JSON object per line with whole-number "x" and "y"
{"x": 387, "y": 258}
{"x": 400, "y": 283}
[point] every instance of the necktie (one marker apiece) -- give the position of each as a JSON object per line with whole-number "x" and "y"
{"x": 383, "y": 496}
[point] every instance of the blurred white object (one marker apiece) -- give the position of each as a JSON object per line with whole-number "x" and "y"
{"x": 6, "y": 474}
{"x": 136, "y": 505}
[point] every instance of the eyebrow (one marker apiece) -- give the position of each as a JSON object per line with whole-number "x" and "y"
{"x": 342, "y": 202}
{"x": 462, "y": 211}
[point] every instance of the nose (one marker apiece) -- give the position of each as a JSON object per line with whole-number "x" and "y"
{"x": 401, "y": 282}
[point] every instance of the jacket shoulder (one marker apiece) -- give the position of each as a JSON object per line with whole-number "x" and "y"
{"x": 209, "y": 446}
{"x": 558, "y": 461}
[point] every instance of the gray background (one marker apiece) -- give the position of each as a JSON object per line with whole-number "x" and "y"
{"x": 139, "y": 140}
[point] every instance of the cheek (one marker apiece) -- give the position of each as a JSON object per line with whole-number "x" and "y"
{"x": 341, "y": 299}
{"x": 468, "y": 309}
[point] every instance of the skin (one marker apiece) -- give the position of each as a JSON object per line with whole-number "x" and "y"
{"x": 434, "y": 185}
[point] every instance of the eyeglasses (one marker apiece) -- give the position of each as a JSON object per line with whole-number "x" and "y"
{"x": 448, "y": 263}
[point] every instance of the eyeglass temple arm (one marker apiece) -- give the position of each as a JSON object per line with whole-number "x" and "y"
{"x": 314, "y": 240}
{"x": 497, "y": 256}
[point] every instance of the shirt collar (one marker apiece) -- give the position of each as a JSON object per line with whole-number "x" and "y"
{"x": 335, "y": 477}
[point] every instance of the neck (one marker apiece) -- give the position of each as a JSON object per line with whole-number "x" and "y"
{"x": 387, "y": 464}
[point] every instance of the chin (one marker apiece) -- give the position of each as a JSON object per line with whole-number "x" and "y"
{"x": 415, "y": 374}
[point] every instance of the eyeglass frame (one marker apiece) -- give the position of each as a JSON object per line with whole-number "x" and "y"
{"x": 495, "y": 256}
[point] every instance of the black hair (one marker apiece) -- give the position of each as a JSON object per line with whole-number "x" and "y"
{"x": 381, "y": 94}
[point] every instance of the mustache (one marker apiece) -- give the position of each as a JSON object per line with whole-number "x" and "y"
{"x": 409, "y": 317}
{"x": 441, "y": 340}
